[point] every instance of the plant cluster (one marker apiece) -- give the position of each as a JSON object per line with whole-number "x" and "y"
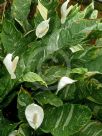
{"x": 50, "y": 69}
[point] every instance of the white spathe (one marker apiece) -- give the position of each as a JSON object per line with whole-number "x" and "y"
{"x": 43, "y": 11}
{"x": 42, "y": 28}
{"x": 11, "y": 65}
{"x": 34, "y": 115}
{"x": 63, "y": 82}
{"x": 65, "y": 11}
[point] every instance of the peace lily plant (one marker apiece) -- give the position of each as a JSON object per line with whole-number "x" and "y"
{"x": 50, "y": 69}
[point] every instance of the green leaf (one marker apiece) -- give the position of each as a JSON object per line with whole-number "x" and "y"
{"x": 68, "y": 93}
{"x": 46, "y": 97}
{"x": 91, "y": 129}
{"x": 33, "y": 77}
{"x": 76, "y": 14}
{"x": 65, "y": 120}
{"x": 96, "y": 110}
{"x": 9, "y": 36}
{"x": 79, "y": 70}
{"x": 6, "y": 85}
{"x": 99, "y": 42}
{"x": 24, "y": 130}
{"x": 75, "y": 10}
{"x": 70, "y": 36}
{"x": 89, "y": 86}
{"x": 24, "y": 99}
{"x": 20, "y": 11}
{"x": 54, "y": 73}
{"x": 92, "y": 58}
{"x": 76, "y": 48}
{"x": 89, "y": 10}
{"x": 31, "y": 54}
{"x": 96, "y": 97}
{"x": 24, "y": 42}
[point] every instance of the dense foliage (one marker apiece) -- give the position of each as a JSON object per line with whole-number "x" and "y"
{"x": 69, "y": 49}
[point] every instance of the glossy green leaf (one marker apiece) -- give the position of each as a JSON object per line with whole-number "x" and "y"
{"x": 33, "y": 77}
{"x": 68, "y": 93}
{"x": 91, "y": 129}
{"x": 20, "y": 11}
{"x": 92, "y": 58}
{"x": 71, "y": 35}
{"x": 96, "y": 110}
{"x": 24, "y": 130}
{"x": 24, "y": 99}
{"x": 46, "y": 97}
{"x": 10, "y": 36}
{"x": 89, "y": 10}
{"x": 65, "y": 120}
{"x": 6, "y": 85}
{"x": 54, "y": 73}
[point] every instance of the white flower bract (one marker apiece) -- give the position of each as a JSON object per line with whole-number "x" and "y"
{"x": 65, "y": 11}
{"x": 11, "y": 65}
{"x": 43, "y": 11}
{"x": 42, "y": 28}
{"x": 63, "y": 82}
{"x": 34, "y": 115}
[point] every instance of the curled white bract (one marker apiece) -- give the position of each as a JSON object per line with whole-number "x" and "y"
{"x": 11, "y": 65}
{"x": 65, "y": 11}
{"x": 34, "y": 115}
{"x": 42, "y": 28}
{"x": 63, "y": 82}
